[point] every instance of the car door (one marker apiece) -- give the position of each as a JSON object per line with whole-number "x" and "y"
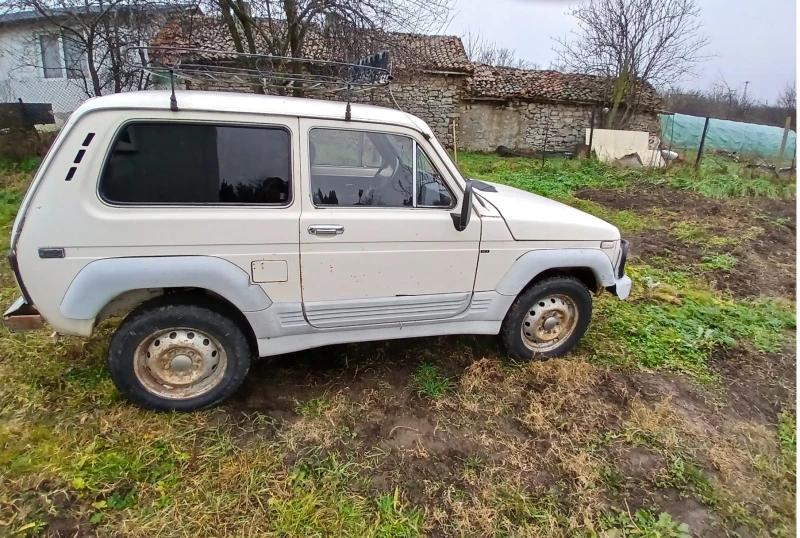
{"x": 377, "y": 242}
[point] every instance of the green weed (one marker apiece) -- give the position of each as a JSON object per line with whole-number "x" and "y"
{"x": 556, "y": 179}
{"x": 683, "y": 475}
{"x": 689, "y": 232}
{"x": 642, "y": 524}
{"x": 667, "y": 331}
{"x": 722, "y": 242}
{"x": 429, "y": 382}
{"x": 720, "y": 262}
{"x": 313, "y": 408}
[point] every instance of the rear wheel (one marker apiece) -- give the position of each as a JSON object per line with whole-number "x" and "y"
{"x": 548, "y": 319}
{"x": 178, "y": 356}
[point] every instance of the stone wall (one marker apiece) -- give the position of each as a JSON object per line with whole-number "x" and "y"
{"x": 432, "y": 97}
{"x": 527, "y": 126}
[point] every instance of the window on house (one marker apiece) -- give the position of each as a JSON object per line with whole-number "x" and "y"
{"x": 51, "y": 56}
{"x": 73, "y": 57}
{"x": 182, "y": 163}
{"x": 364, "y": 168}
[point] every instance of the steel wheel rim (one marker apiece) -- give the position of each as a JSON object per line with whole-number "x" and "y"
{"x": 180, "y": 363}
{"x": 549, "y": 322}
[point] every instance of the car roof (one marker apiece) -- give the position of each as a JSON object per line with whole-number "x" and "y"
{"x": 213, "y": 101}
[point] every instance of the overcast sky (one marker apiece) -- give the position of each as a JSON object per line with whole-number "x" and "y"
{"x": 750, "y": 40}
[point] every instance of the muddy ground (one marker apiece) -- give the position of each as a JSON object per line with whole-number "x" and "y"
{"x": 764, "y": 234}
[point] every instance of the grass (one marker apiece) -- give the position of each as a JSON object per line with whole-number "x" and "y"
{"x": 787, "y": 434}
{"x": 429, "y": 383}
{"x": 560, "y": 178}
{"x": 26, "y": 165}
{"x": 665, "y": 328}
{"x": 437, "y": 436}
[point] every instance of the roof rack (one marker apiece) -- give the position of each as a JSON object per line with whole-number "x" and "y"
{"x": 201, "y": 68}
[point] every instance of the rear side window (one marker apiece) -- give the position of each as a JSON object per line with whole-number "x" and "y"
{"x": 184, "y": 163}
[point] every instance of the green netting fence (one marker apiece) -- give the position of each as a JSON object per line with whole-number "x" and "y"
{"x": 683, "y": 132}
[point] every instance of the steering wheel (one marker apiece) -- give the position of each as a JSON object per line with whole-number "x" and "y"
{"x": 393, "y": 164}
{"x": 382, "y": 180}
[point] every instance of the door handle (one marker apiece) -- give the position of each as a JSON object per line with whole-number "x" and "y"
{"x": 325, "y": 229}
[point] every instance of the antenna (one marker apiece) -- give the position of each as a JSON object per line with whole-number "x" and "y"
{"x": 173, "y": 101}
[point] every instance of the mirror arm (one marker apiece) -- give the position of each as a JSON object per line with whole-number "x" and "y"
{"x": 461, "y": 220}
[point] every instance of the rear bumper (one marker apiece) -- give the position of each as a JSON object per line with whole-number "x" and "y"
{"x": 21, "y": 317}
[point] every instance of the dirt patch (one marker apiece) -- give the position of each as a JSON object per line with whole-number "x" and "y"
{"x": 765, "y": 231}
{"x": 759, "y": 385}
{"x": 68, "y": 527}
{"x": 664, "y": 199}
{"x": 508, "y": 430}
{"x": 638, "y": 462}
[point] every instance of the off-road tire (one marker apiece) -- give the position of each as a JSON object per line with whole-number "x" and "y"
{"x": 179, "y": 311}
{"x": 511, "y": 331}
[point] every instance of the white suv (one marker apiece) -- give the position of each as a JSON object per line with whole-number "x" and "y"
{"x": 240, "y": 226}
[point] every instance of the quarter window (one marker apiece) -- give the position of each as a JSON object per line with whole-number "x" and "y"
{"x": 182, "y": 163}
{"x": 364, "y": 168}
{"x": 432, "y": 191}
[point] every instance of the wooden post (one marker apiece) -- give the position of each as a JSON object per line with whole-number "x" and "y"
{"x": 591, "y": 134}
{"x": 702, "y": 143}
{"x": 455, "y": 148}
{"x": 546, "y": 132}
{"x": 785, "y": 137}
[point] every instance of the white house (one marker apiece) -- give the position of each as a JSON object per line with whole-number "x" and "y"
{"x": 42, "y": 62}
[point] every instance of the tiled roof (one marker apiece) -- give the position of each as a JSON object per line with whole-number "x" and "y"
{"x": 509, "y": 83}
{"x": 11, "y": 17}
{"x": 409, "y": 51}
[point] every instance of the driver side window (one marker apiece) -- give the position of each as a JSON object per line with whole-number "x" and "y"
{"x": 361, "y": 168}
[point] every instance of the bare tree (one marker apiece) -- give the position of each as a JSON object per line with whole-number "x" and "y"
{"x": 481, "y": 51}
{"x": 787, "y": 99}
{"x": 97, "y": 37}
{"x": 724, "y": 102}
{"x": 347, "y": 27}
{"x": 633, "y": 43}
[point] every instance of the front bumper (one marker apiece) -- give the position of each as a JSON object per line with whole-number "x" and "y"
{"x": 622, "y": 287}
{"x": 21, "y": 317}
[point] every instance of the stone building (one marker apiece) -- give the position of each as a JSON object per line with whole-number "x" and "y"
{"x": 485, "y": 106}
{"x": 534, "y": 110}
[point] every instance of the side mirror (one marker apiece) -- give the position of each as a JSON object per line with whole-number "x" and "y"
{"x": 461, "y": 220}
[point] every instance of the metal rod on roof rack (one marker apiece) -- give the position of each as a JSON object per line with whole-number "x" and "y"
{"x": 347, "y": 116}
{"x": 173, "y": 101}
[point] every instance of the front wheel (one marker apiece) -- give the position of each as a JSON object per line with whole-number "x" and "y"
{"x": 548, "y": 319}
{"x": 178, "y": 356}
